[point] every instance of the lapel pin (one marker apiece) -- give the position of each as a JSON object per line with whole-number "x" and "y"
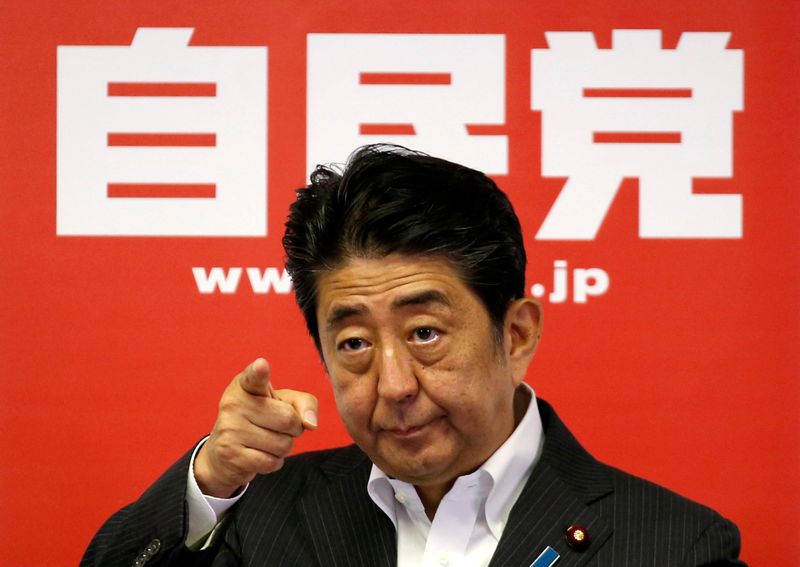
{"x": 577, "y": 537}
{"x": 546, "y": 558}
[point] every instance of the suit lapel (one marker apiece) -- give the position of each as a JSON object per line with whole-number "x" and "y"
{"x": 543, "y": 512}
{"x": 562, "y": 487}
{"x": 344, "y": 524}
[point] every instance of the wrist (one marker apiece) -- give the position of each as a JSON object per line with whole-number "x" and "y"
{"x": 209, "y": 482}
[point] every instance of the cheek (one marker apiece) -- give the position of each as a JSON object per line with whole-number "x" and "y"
{"x": 464, "y": 387}
{"x": 449, "y": 385}
{"x": 354, "y": 401}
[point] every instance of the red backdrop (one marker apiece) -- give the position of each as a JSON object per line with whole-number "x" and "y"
{"x": 683, "y": 370}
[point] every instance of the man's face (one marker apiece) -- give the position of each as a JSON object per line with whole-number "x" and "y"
{"x": 420, "y": 382}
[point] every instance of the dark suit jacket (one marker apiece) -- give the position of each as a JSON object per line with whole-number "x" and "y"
{"x": 316, "y": 511}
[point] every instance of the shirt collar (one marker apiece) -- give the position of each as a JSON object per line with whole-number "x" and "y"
{"x": 510, "y": 466}
{"x": 508, "y": 470}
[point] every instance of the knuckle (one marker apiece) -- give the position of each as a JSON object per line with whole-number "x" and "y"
{"x": 284, "y": 417}
{"x": 224, "y": 432}
{"x": 312, "y": 400}
{"x": 284, "y": 444}
{"x": 229, "y": 404}
{"x": 270, "y": 463}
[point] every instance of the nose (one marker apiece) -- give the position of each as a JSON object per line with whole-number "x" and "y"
{"x": 396, "y": 380}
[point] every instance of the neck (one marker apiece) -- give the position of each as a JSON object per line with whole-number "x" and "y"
{"x": 431, "y": 496}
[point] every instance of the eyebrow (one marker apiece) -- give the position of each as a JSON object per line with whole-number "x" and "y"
{"x": 343, "y": 312}
{"x": 422, "y": 298}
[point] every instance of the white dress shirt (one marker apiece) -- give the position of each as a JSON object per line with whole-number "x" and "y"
{"x": 204, "y": 512}
{"x": 471, "y": 517}
{"x": 469, "y": 520}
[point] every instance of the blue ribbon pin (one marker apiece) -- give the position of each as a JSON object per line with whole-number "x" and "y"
{"x": 547, "y": 558}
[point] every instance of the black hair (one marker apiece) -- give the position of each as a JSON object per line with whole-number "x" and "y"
{"x": 389, "y": 199}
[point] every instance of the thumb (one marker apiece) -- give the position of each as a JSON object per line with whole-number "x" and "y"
{"x": 255, "y": 379}
{"x": 304, "y": 404}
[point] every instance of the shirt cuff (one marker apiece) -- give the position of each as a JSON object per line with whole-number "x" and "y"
{"x": 204, "y": 512}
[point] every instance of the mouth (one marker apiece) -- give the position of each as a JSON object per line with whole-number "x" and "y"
{"x": 410, "y": 431}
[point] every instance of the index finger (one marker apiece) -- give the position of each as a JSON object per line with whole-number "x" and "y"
{"x": 255, "y": 379}
{"x": 305, "y": 405}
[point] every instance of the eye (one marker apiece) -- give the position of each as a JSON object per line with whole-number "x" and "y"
{"x": 425, "y": 335}
{"x": 353, "y": 345}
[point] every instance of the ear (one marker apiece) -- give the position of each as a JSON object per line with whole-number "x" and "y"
{"x": 522, "y": 329}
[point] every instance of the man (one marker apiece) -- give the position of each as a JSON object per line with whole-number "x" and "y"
{"x": 410, "y": 273}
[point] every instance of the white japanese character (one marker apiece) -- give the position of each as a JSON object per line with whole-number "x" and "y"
{"x": 637, "y": 110}
{"x": 159, "y": 138}
{"x": 417, "y": 90}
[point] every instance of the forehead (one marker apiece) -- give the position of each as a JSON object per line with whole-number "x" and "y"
{"x": 385, "y": 282}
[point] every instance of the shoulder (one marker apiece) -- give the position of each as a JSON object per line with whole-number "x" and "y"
{"x": 327, "y": 462}
{"x": 641, "y": 514}
{"x": 288, "y": 516}
{"x": 647, "y": 514}
{"x": 594, "y": 479}
{"x": 305, "y": 472}
{"x": 335, "y": 460}
{"x": 659, "y": 503}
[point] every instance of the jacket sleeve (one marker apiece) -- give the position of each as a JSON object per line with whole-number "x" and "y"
{"x": 718, "y": 545}
{"x": 150, "y": 531}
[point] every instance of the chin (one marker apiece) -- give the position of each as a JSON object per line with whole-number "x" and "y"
{"x": 417, "y": 471}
